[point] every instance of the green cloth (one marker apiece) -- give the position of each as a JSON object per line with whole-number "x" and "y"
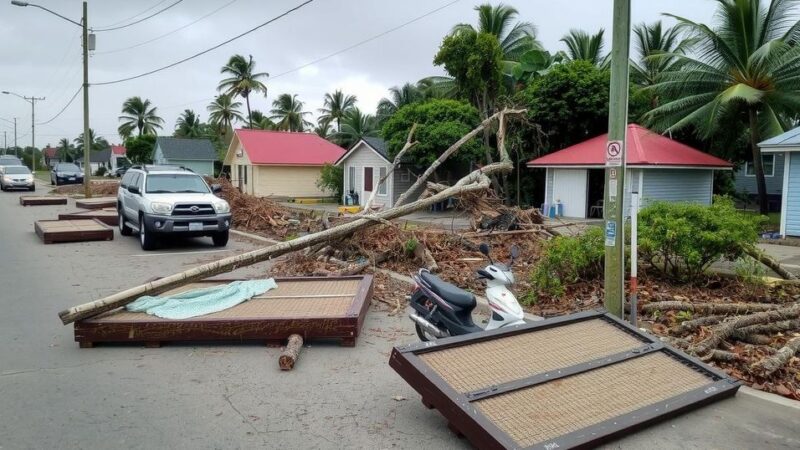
{"x": 199, "y": 302}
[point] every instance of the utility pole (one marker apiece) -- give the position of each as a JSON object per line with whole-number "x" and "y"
{"x": 32, "y": 100}
{"x": 613, "y": 210}
{"x": 15, "y": 138}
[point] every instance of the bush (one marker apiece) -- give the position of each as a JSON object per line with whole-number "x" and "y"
{"x": 331, "y": 179}
{"x": 567, "y": 259}
{"x": 682, "y": 239}
{"x": 100, "y": 171}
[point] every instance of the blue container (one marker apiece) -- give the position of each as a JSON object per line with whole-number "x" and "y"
{"x": 559, "y": 209}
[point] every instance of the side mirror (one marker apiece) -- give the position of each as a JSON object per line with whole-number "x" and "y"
{"x": 216, "y": 188}
{"x": 514, "y": 251}
{"x": 484, "y": 248}
{"x": 133, "y": 190}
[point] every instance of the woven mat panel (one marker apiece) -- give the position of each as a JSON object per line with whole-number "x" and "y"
{"x": 540, "y": 413}
{"x": 71, "y": 225}
{"x": 292, "y": 288}
{"x": 474, "y": 366}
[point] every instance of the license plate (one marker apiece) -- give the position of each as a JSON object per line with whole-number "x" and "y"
{"x": 195, "y": 226}
{"x": 71, "y": 178}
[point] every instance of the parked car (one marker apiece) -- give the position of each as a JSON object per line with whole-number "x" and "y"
{"x": 9, "y": 160}
{"x": 17, "y": 177}
{"x": 121, "y": 171}
{"x": 160, "y": 201}
{"x": 66, "y": 173}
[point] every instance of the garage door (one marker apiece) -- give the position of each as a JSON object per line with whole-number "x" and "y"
{"x": 569, "y": 187}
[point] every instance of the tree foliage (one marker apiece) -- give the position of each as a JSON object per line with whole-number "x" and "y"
{"x": 582, "y": 46}
{"x": 355, "y": 125}
{"x": 335, "y": 107}
{"x": 288, "y": 114}
{"x": 140, "y": 148}
{"x": 440, "y": 124}
{"x": 138, "y": 114}
{"x": 331, "y": 180}
{"x": 242, "y": 80}
{"x": 567, "y": 259}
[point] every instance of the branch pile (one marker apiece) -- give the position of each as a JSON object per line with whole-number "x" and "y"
{"x": 98, "y": 188}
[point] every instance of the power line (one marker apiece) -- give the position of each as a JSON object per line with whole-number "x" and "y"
{"x": 167, "y": 34}
{"x": 286, "y": 13}
{"x": 134, "y": 16}
{"x": 62, "y": 109}
{"x": 138, "y": 21}
{"x": 370, "y": 39}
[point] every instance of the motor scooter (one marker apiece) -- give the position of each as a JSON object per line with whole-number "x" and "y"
{"x": 441, "y": 309}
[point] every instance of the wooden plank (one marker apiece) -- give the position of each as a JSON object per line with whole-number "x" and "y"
{"x": 229, "y": 325}
{"x": 52, "y": 231}
{"x": 96, "y": 203}
{"x": 36, "y": 200}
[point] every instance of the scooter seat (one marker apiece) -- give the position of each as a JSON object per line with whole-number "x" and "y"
{"x": 449, "y": 292}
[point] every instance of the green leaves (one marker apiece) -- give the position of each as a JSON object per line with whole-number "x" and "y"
{"x": 567, "y": 259}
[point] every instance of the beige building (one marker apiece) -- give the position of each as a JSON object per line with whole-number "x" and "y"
{"x": 279, "y": 164}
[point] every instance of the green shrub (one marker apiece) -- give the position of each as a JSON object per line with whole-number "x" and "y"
{"x": 682, "y": 239}
{"x": 331, "y": 180}
{"x": 567, "y": 259}
{"x": 100, "y": 171}
{"x": 410, "y": 245}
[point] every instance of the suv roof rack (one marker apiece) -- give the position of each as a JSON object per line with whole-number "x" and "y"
{"x": 156, "y": 168}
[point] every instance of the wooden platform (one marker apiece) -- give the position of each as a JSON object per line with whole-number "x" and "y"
{"x": 313, "y": 307}
{"x": 52, "y": 231}
{"x": 97, "y": 203}
{"x": 108, "y": 216}
{"x": 35, "y": 200}
{"x": 569, "y": 382}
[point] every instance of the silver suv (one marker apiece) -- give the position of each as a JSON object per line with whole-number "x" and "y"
{"x": 156, "y": 201}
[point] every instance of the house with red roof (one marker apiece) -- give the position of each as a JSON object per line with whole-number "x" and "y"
{"x": 658, "y": 168}
{"x": 118, "y": 156}
{"x": 50, "y": 155}
{"x": 279, "y": 163}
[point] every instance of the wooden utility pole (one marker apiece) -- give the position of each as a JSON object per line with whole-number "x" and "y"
{"x": 613, "y": 210}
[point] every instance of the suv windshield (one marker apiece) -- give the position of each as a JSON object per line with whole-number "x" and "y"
{"x": 174, "y": 183}
{"x": 16, "y": 170}
{"x": 67, "y": 168}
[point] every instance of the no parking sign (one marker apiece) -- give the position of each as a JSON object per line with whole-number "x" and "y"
{"x": 614, "y": 153}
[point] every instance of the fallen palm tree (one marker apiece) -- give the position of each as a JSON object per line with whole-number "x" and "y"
{"x": 474, "y": 181}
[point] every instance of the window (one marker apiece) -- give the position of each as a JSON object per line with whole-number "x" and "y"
{"x": 382, "y": 188}
{"x": 351, "y": 178}
{"x": 126, "y": 179}
{"x": 767, "y": 161}
{"x": 171, "y": 184}
{"x": 405, "y": 176}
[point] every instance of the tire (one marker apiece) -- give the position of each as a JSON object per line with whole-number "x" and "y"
{"x": 146, "y": 238}
{"x": 123, "y": 229}
{"x": 220, "y": 238}
{"x": 32, "y": 188}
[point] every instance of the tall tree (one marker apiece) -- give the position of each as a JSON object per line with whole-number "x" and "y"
{"x": 138, "y": 114}
{"x": 355, "y": 126}
{"x": 336, "y": 106}
{"x": 654, "y": 50}
{"x": 188, "y": 125}
{"x": 224, "y": 111}
{"x": 515, "y": 38}
{"x": 398, "y": 97}
{"x": 584, "y": 46}
{"x": 747, "y": 61}
{"x": 324, "y": 130}
{"x": 96, "y": 142}
{"x": 242, "y": 80}
{"x": 66, "y": 151}
{"x": 288, "y": 113}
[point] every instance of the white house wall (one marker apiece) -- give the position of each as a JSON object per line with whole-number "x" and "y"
{"x": 677, "y": 185}
{"x": 361, "y": 157}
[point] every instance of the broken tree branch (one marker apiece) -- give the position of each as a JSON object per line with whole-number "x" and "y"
{"x": 725, "y": 330}
{"x": 708, "y": 308}
{"x": 474, "y": 181}
{"x": 768, "y": 261}
{"x": 408, "y": 145}
{"x": 290, "y": 354}
{"x": 769, "y": 365}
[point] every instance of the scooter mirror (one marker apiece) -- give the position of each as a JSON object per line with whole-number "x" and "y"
{"x": 514, "y": 251}
{"x": 484, "y": 248}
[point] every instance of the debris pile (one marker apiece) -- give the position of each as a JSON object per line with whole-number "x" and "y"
{"x": 98, "y": 188}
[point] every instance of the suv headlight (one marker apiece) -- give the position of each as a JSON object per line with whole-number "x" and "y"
{"x": 161, "y": 208}
{"x": 221, "y": 206}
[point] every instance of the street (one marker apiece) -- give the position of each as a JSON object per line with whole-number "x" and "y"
{"x": 222, "y": 396}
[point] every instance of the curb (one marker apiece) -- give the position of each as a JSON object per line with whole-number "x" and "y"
{"x": 254, "y": 237}
{"x": 766, "y": 397}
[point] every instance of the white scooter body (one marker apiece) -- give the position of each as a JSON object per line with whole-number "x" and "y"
{"x": 505, "y": 308}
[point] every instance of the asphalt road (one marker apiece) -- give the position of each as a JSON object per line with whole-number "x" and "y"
{"x": 55, "y": 395}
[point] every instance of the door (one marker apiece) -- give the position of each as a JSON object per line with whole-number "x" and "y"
{"x": 569, "y": 188}
{"x": 368, "y": 185}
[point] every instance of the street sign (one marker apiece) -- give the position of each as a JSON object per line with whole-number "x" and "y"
{"x": 614, "y": 153}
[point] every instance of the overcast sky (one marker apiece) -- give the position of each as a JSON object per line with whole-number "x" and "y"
{"x": 41, "y": 53}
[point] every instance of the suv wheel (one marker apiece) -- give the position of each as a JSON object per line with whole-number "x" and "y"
{"x": 220, "y": 238}
{"x": 146, "y": 238}
{"x": 124, "y": 229}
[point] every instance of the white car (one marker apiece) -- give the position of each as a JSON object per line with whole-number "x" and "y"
{"x": 16, "y": 177}
{"x": 158, "y": 201}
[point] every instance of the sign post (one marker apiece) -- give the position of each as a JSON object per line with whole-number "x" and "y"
{"x": 613, "y": 214}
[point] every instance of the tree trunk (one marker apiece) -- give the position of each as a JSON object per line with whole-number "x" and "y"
{"x": 768, "y": 261}
{"x": 769, "y": 365}
{"x": 292, "y": 351}
{"x": 758, "y": 167}
{"x": 727, "y": 329}
{"x": 249, "y": 114}
{"x": 709, "y": 308}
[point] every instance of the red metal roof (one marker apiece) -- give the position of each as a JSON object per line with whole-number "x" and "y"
{"x": 50, "y": 152}
{"x": 118, "y": 149}
{"x": 644, "y": 148}
{"x": 287, "y": 148}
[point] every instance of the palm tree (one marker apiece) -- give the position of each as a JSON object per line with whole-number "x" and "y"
{"x": 224, "y": 111}
{"x": 97, "y": 142}
{"x": 66, "y": 150}
{"x": 288, "y": 113}
{"x": 584, "y": 46}
{"x": 336, "y": 106}
{"x": 654, "y": 47}
{"x": 398, "y": 97}
{"x": 138, "y": 114}
{"x": 324, "y": 129}
{"x": 746, "y": 63}
{"x": 188, "y": 125}
{"x": 242, "y": 80}
{"x": 355, "y": 126}
{"x": 515, "y": 38}
{"x": 437, "y": 87}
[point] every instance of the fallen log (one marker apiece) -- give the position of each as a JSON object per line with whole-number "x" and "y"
{"x": 768, "y": 261}
{"x": 725, "y": 330}
{"x": 766, "y": 329}
{"x": 290, "y": 354}
{"x": 691, "y": 325}
{"x": 708, "y": 308}
{"x": 474, "y": 181}
{"x": 358, "y": 268}
{"x": 769, "y": 365}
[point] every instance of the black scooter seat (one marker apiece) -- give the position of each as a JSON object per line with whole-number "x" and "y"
{"x": 449, "y": 292}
